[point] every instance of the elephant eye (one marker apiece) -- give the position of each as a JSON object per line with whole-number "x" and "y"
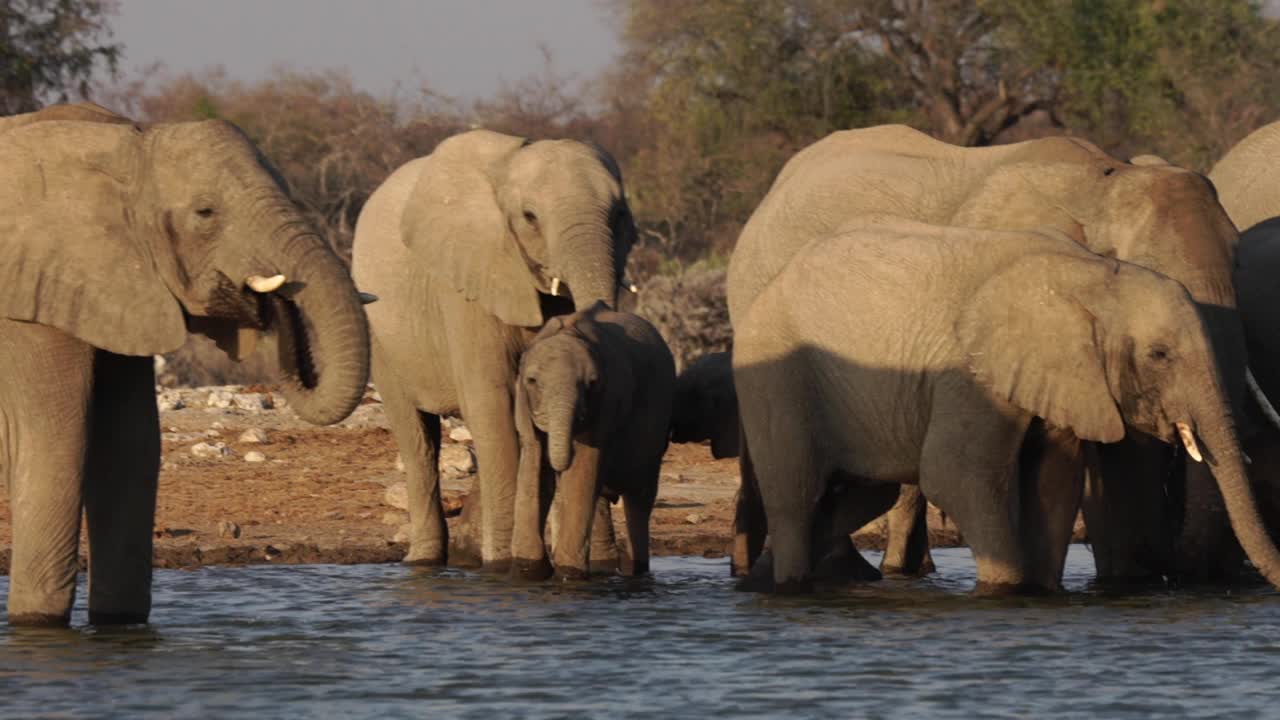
{"x": 205, "y": 212}
{"x": 531, "y": 381}
{"x": 530, "y": 217}
{"x": 1158, "y": 353}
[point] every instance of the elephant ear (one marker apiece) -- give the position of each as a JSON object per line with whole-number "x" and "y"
{"x": 1033, "y": 344}
{"x": 454, "y": 221}
{"x": 70, "y": 254}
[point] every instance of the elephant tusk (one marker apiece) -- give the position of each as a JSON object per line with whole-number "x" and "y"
{"x": 555, "y": 286}
{"x": 629, "y": 286}
{"x": 1265, "y": 404}
{"x": 366, "y": 298}
{"x": 260, "y": 284}
{"x": 1189, "y": 441}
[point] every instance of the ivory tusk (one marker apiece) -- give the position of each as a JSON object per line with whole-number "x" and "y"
{"x": 555, "y": 286}
{"x": 366, "y": 298}
{"x": 1263, "y": 402}
{"x": 260, "y": 284}
{"x": 1189, "y": 441}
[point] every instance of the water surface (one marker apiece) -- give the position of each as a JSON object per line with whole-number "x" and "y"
{"x": 391, "y": 641}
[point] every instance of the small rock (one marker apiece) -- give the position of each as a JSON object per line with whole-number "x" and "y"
{"x": 364, "y": 515}
{"x": 212, "y": 434}
{"x": 397, "y": 496}
{"x": 252, "y": 401}
{"x": 693, "y": 518}
{"x": 459, "y": 458}
{"x": 208, "y": 450}
{"x": 452, "y": 506}
{"x": 460, "y": 434}
{"x": 173, "y": 429}
{"x": 392, "y": 517}
{"x": 333, "y": 515}
{"x": 254, "y": 456}
{"x": 228, "y": 529}
{"x": 218, "y": 425}
{"x": 402, "y": 534}
{"x": 254, "y": 435}
{"x": 219, "y": 399}
{"x": 169, "y": 400}
{"x": 271, "y": 553}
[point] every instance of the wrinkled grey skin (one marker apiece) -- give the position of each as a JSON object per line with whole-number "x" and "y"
{"x": 705, "y": 409}
{"x": 117, "y": 241}
{"x": 463, "y": 248}
{"x": 593, "y": 405}
{"x": 1005, "y": 327}
{"x": 1159, "y": 216}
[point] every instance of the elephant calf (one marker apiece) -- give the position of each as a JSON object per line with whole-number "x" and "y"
{"x": 593, "y": 407}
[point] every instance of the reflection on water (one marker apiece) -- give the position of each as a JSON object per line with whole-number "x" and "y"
{"x": 392, "y": 641}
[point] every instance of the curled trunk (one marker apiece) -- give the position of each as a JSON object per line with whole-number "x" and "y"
{"x": 323, "y": 335}
{"x": 560, "y": 437}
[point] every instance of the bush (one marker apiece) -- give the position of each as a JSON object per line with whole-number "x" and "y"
{"x": 688, "y": 308}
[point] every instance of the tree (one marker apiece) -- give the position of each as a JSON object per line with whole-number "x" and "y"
{"x": 49, "y": 50}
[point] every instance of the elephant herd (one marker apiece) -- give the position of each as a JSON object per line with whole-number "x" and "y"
{"x": 1018, "y": 333}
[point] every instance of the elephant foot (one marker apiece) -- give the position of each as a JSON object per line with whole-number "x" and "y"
{"x": 532, "y": 570}
{"x": 1024, "y": 589}
{"x": 571, "y": 574}
{"x": 432, "y": 557}
{"x": 118, "y": 618}
{"x": 35, "y": 619}
{"x": 760, "y": 577}
{"x": 464, "y": 554}
{"x": 608, "y": 566}
{"x": 843, "y": 566}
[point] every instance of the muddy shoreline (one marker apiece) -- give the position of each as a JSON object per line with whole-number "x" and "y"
{"x": 243, "y": 481}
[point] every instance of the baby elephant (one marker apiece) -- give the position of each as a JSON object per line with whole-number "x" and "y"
{"x": 593, "y": 405}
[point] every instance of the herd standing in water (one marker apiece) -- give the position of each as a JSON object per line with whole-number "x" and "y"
{"x": 1018, "y": 333}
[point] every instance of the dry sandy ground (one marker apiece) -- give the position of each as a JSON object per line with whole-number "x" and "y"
{"x": 320, "y": 495}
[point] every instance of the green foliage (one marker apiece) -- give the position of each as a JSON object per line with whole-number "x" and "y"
{"x": 49, "y": 50}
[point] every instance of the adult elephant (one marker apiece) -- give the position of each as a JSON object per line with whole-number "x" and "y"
{"x": 118, "y": 240}
{"x": 1248, "y": 185}
{"x": 952, "y": 342}
{"x": 1158, "y": 216}
{"x": 470, "y": 249}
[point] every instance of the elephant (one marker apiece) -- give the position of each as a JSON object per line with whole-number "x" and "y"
{"x": 119, "y": 240}
{"x": 1162, "y": 217}
{"x": 593, "y": 405}
{"x": 705, "y": 408}
{"x": 954, "y": 340}
{"x": 470, "y": 250}
{"x": 85, "y": 112}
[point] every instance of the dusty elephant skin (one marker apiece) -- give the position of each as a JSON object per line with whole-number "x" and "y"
{"x": 1156, "y": 215}
{"x": 470, "y": 249}
{"x": 1005, "y": 327}
{"x": 593, "y": 408}
{"x": 119, "y": 240}
{"x": 705, "y": 409}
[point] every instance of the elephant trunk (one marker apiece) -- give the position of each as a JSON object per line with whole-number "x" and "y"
{"x": 560, "y": 435}
{"x": 590, "y": 266}
{"x": 322, "y": 331}
{"x": 1216, "y": 428}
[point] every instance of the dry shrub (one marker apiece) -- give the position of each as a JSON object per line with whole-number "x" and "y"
{"x": 688, "y": 308}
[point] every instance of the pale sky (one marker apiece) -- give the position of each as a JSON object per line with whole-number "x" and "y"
{"x": 461, "y": 48}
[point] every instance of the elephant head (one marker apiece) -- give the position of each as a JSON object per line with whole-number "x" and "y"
{"x": 705, "y": 405}
{"x": 1128, "y": 348}
{"x": 506, "y": 219}
{"x": 127, "y": 237}
{"x": 563, "y": 386}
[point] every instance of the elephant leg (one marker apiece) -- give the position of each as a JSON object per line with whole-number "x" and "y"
{"x": 1051, "y": 477}
{"x": 835, "y": 557}
{"x": 47, "y": 396}
{"x": 604, "y": 541}
{"x": 489, "y": 413}
{"x": 1125, "y": 510}
{"x": 907, "y": 549}
{"x": 535, "y": 487}
{"x": 969, "y": 467}
{"x": 577, "y": 490}
{"x": 121, "y": 478}
{"x": 418, "y": 437}
{"x": 638, "y": 505}
{"x": 749, "y": 522}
